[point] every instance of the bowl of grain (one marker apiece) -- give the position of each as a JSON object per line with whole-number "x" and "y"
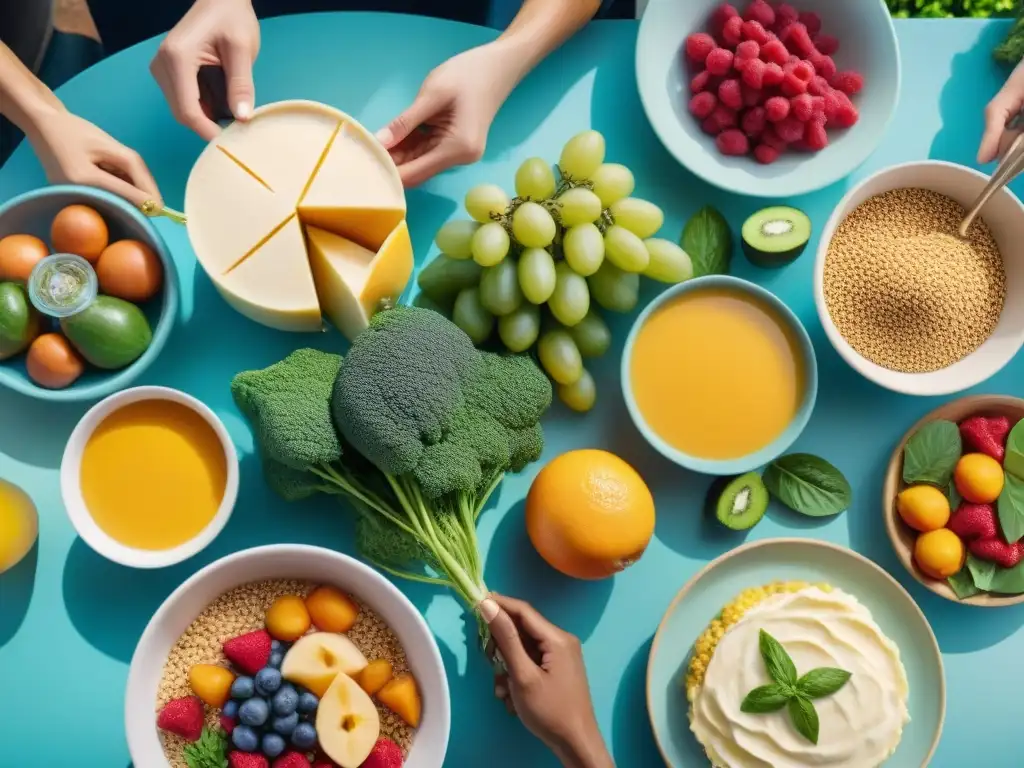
{"x": 904, "y": 300}
{"x": 232, "y": 598}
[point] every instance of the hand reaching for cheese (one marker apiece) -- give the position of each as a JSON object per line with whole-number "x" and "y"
{"x": 224, "y": 33}
{"x": 1007, "y": 103}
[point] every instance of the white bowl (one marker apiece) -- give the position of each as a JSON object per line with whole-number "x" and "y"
{"x": 78, "y": 512}
{"x": 1004, "y": 215}
{"x": 286, "y": 561}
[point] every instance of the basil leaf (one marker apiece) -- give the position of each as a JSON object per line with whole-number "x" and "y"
{"x": 1008, "y": 581}
{"x": 708, "y": 241}
{"x": 805, "y": 718}
{"x": 982, "y": 572}
{"x": 962, "y": 583}
{"x": 767, "y": 698}
{"x": 1011, "y": 508}
{"x": 823, "y": 681}
{"x": 955, "y": 499}
{"x": 932, "y": 453}
{"x": 808, "y": 484}
{"x": 1013, "y": 462}
{"x": 780, "y": 666}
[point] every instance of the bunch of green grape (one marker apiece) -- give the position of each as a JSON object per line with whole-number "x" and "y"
{"x": 536, "y": 267}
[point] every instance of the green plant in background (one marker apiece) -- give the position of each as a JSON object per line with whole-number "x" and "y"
{"x": 948, "y": 9}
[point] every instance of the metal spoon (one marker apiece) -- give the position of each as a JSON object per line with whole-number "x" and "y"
{"x": 1007, "y": 170}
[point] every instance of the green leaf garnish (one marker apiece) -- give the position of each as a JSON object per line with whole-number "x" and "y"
{"x": 210, "y": 751}
{"x": 767, "y": 698}
{"x": 962, "y": 583}
{"x": 823, "y": 681}
{"x": 805, "y": 718}
{"x": 780, "y": 666}
{"x": 1011, "y": 508}
{"x": 808, "y": 484}
{"x": 932, "y": 453}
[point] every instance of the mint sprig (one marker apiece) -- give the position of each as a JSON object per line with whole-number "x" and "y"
{"x": 792, "y": 692}
{"x": 210, "y": 751}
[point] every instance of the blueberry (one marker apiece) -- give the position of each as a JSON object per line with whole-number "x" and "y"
{"x": 285, "y": 701}
{"x": 272, "y": 745}
{"x": 285, "y": 725}
{"x": 276, "y": 657}
{"x": 308, "y": 702}
{"x": 268, "y": 680}
{"x": 245, "y": 738}
{"x": 304, "y": 736}
{"x": 230, "y": 709}
{"x": 275, "y": 645}
{"x": 254, "y": 712}
{"x": 242, "y": 688}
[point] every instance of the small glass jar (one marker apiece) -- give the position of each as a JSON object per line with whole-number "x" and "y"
{"x": 62, "y": 285}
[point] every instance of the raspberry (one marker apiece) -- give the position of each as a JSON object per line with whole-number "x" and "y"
{"x": 761, "y": 12}
{"x": 698, "y": 47}
{"x": 832, "y": 104}
{"x": 793, "y": 85}
{"x": 815, "y": 136}
{"x": 733, "y": 142}
{"x": 797, "y": 40}
{"x": 753, "y": 73}
{"x": 804, "y": 70}
{"x": 722, "y": 14}
{"x": 826, "y": 44}
{"x": 766, "y": 154}
{"x": 729, "y": 94}
{"x": 801, "y": 107}
{"x": 847, "y": 114}
{"x": 823, "y": 65}
{"x": 752, "y": 30}
{"x": 818, "y": 86}
{"x": 754, "y": 122}
{"x": 719, "y": 61}
{"x": 752, "y": 97}
{"x": 771, "y": 138}
{"x": 811, "y": 21}
{"x": 700, "y": 82}
{"x": 732, "y": 31}
{"x": 724, "y": 117}
{"x": 774, "y": 51}
{"x": 790, "y": 130}
{"x": 849, "y": 83}
{"x": 773, "y": 74}
{"x": 785, "y": 14}
{"x": 710, "y": 126}
{"x": 703, "y": 104}
{"x": 818, "y": 109}
{"x": 748, "y": 49}
{"x": 777, "y": 109}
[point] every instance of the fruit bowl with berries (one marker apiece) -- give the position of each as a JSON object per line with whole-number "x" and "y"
{"x": 769, "y": 98}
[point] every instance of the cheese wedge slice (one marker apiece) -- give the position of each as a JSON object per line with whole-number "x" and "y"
{"x": 274, "y": 285}
{"x": 352, "y": 281}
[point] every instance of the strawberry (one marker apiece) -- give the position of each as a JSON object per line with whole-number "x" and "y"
{"x": 997, "y": 551}
{"x": 247, "y": 760}
{"x": 227, "y": 724}
{"x": 249, "y": 652}
{"x": 385, "y": 754}
{"x": 292, "y": 760}
{"x": 986, "y": 434}
{"x": 974, "y": 521}
{"x": 183, "y": 717}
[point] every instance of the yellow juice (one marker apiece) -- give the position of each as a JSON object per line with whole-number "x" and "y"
{"x": 717, "y": 374}
{"x": 153, "y": 474}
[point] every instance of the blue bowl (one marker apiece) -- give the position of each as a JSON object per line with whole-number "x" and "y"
{"x": 867, "y": 45}
{"x": 777, "y": 447}
{"x": 32, "y": 213}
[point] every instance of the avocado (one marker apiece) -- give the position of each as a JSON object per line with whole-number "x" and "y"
{"x": 742, "y": 502}
{"x": 776, "y": 236}
{"x": 19, "y": 320}
{"x": 110, "y": 333}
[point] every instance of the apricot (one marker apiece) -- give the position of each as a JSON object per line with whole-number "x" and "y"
{"x": 211, "y": 683}
{"x": 939, "y": 553}
{"x": 923, "y": 507}
{"x": 402, "y": 697}
{"x": 287, "y": 618}
{"x": 331, "y": 610}
{"x": 979, "y": 478}
{"x": 375, "y": 676}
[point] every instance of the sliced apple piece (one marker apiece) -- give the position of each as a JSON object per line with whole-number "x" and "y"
{"x": 347, "y": 722}
{"x": 402, "y": 697}
{"x": 316, "y": 659}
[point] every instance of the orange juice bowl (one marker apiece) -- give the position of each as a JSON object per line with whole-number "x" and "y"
{"x": 149, "y": 477}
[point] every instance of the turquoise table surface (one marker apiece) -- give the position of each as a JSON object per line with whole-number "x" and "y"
{"x": 69, "y": 620}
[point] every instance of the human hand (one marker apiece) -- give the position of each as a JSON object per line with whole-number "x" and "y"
{"x": 546, "y": 685}
{"x": 1007, "y": 103}
{"x": 448, "y": 122}
{"x": 74, "y": 151}
{"x": 224, "y": 33}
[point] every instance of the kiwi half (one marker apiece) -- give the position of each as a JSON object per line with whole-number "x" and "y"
{"x": 776, "y": 236}
{"x": 742, "y": 502}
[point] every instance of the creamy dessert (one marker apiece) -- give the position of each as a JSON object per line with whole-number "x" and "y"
{"x": 793, "y": 675}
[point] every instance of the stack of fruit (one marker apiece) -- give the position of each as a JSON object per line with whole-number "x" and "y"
{"x": 530, "y": 266}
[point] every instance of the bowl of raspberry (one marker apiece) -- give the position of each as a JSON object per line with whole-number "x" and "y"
{"x": 767, "y": 98}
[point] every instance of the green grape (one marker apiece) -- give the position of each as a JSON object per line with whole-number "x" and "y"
{"x": 533, "y": 226}
{"x": 535, "y": 179}
{"x": 469, "y": 314}
{"x": 490, "y": 244}
{"x": 669, "y": 263}
{"x": 484, "y": 200}
{"x": 613, "y": 289}
{"x": 444, "y": 277}
{"x": 612, "y": 182}
{"x": 571, "y": 300}
{"x": 454, "y": 238}
{"x": 499, "y": 288}
{"x": 582, "y": 155}
{"x": 591, "y": 335}
{"x": 583, "y": 247}
{"x": 625, "y": 250}
{"x": 559, "y": 357}
{"x": 519, "y": 330}
{"x": 578, "y": 206}
{"x": 640, "y": 217}
{"x": 581, "y": 395}
{"x": 536, "y": 275}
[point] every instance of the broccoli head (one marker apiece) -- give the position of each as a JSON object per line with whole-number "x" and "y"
{"x": 415, "y": 397}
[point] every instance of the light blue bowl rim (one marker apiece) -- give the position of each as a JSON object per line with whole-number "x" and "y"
{"x": 775, "y": 448}
{"x": 115, "y": 380}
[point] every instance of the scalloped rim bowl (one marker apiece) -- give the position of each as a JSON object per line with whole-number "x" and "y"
{"x": 900, "y": 535}
{"x": 126, "y": 221}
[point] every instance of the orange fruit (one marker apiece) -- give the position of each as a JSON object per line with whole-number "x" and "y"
{"x": 287, "y": 618}
{"x": 923, "y": 507}
{"x": 589, "y": 514}
{"x": 978, "y": 478}
{"x": 939, "y": 553}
